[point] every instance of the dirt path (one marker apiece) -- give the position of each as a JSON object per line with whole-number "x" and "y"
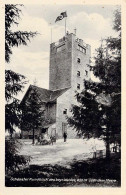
{"x": 61, "y": 152}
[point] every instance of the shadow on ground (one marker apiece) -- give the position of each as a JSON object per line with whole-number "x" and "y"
{"x": 93, "y": 172}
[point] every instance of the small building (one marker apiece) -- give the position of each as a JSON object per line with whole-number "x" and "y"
{"x": 69, "y": 66}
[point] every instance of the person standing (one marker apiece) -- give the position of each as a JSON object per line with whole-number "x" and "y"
{"x": 65, "y": 136}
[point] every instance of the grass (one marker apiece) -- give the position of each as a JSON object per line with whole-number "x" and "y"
{"x": 93, "y": 172}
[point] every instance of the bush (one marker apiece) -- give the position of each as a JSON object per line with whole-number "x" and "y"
{"x": 13, "y": 160}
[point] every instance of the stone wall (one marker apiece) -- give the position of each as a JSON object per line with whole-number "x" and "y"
{"x": 82, "y": 67}
{"x": 64, "y": 67}
{"x": 60, "y": 65}
{"x": 64, "y": 102}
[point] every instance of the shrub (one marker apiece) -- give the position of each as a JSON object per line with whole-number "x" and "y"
{"x": 13, "y": 160}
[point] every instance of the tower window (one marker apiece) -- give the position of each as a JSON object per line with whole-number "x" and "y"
{"x": 78, "y": 60}
{"x": 78, "y": 86}
{"x": 82, "y": 49}
{"x": 86, "y": 72}
{"x": 65, "y": 111}
{"x": 60, "y": 48}
{"x": 78, "y": 73}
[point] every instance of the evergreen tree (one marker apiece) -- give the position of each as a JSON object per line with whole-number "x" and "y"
{"x": 108, "y": 69}
{"x": 12, "y": 39}
{"x": 14, "y": 82}
{"x": 98, "y": 113}
{"x": 32, "y": 112}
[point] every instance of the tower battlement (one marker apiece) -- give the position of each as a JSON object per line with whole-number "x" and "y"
{"x": 69, "y": 60}
{"x": 64, "y": 39}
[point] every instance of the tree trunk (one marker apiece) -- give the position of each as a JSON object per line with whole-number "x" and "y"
{"x": 107, "y": 149}
{"x": 11, "y": 135}
{"x": 33, "y": 141}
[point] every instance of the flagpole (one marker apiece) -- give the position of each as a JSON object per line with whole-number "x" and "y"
{"x": 65, "y": 26}
{"x": 51, "y": 34}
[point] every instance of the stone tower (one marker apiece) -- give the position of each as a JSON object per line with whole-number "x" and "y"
{"x": 69, "y": 60}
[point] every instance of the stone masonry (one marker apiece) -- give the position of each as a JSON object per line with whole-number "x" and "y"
{"x": 69, "y": 60}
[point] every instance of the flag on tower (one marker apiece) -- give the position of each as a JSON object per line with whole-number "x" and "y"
{"x": 62, "y": 15}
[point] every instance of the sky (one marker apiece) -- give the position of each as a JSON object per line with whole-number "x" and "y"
{"x": 93, "y": 22}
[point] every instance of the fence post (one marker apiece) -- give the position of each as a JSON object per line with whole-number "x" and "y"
{"x": 94, "y": 154}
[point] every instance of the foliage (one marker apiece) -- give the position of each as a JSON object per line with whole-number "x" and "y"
{"x": 92, "y": 118}
{"x": 12, "y": 115}
{"x": 12, "y": 14}
{"x": 98, "y": 113}
{"x": 32, "y": 112}
{"x": 108, "y": 69}
{"x": 91, "y": 172}
{"x": 83, "y": 118}
{"x": 13, "y": 161}
{"x": 117, "y": 20}
{"x": 14, "y": 82}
